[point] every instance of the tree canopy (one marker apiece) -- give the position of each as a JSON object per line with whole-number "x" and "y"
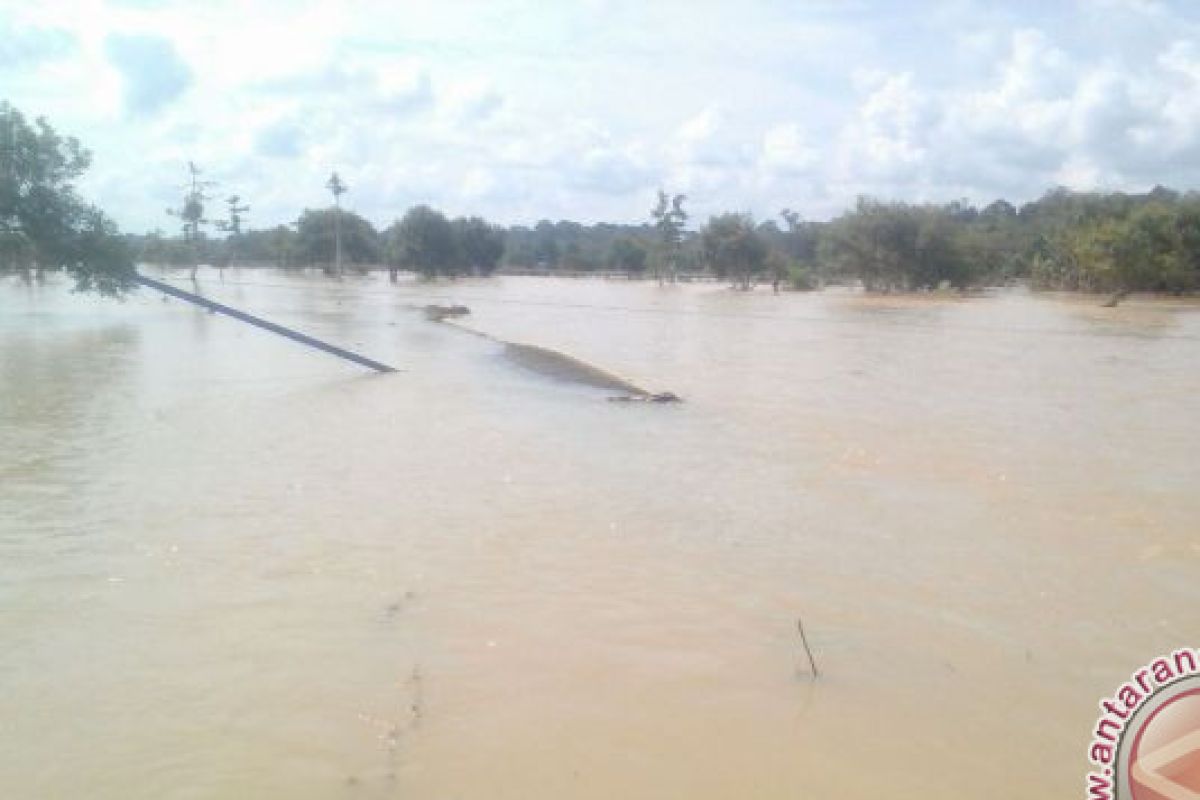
{"x": 423, "y": 241}
{"x": 628, "y": 254}
{"x": 734, "y": 248}
{"x": 44, "y": 225}
{"x": 1089, "y": 243}
{"x": 316, "y": 237}
{"x": 669, "y": 219}
{"x": 479, "y": 245}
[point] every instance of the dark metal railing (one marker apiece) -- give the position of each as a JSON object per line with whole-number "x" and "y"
{"x": 295, "y": 336}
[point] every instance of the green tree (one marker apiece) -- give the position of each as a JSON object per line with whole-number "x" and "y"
{"x": 282, "y": 245}
{"x": 44, "y": 225}
{"x": 873, "y": 243}
{"x": 895, "y": 246}
{"x": 938, "y": 256}
{"x": 996, "y": 243}
{"x": 627, "y": 254}
{"x": 778, "y": 266}
{"x": 154, "y": 248}
{"x": 1182, "y": 273}
{"x": 800, "y": 242}
{"x": 733, "y": 248}
{"x": 547, "y": 252}
{"x": 1147, "y": 247}
{"x": 424, "y": 242}
{"x": 317, "y": 235}
{"x": 232, "y": 225}
{"x": 479, "y": 244}
{"x": 669, "y": 220}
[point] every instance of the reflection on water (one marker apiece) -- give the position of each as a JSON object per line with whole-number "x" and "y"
{"x": 234, "y": 567}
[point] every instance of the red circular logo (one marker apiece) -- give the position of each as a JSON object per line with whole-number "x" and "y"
{"x": 1164, "y": 761}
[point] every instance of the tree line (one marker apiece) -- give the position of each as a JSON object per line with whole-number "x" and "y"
{"x": 424, "y": 240}
{"x": 1080, "y": 241}
{"x": 1065, "y": 240}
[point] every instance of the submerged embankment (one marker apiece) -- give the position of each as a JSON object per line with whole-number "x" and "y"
{"x": 550, "y": 363}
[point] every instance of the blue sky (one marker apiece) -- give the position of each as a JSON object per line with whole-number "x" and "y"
{"x": 521, "y": 110}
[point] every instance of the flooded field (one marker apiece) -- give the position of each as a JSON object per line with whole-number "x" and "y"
{"x": 231, "y": 566}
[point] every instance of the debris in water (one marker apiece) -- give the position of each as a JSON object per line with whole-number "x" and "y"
{"x": 804, "y": 640}
{"x": 560, "y": 366}
{"x": 438, "y": 313}
{"x": 658, "y": 397}
{"x": 417, "y": 707}
{"x": 554, "y": 364}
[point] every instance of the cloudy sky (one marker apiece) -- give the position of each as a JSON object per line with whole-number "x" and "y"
{"x": 527, "y": 109}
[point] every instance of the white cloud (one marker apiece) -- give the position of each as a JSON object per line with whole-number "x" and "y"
{"x": 1135, "y": 6}
{"x": 474, "y": 103}
{"x": 281, "y": 139}
{"x": 888, "y": 137}
{"x": 153, "y": 73}
{"x": 609, "y": 170}
{"x": 28, "y": 46}
{"x": 520, "y": 110}
{"x": 404, "y": 90}
{"x": 786, "y": 151}
{"x": 705, "y": 140}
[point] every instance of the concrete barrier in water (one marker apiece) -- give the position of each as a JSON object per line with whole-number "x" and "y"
{"x": 552, "y": 363}
{"x": 563, "y": 367}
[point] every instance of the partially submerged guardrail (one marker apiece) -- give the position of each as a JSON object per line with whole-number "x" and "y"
{"x": 258, "y": 322}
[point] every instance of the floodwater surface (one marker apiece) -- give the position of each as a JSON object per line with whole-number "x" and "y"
{"x": 231, "y": 566}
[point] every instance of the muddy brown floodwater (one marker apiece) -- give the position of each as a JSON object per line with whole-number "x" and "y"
{"x": 234, "y": 567}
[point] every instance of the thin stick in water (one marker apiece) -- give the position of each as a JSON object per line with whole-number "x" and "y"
{"x": 804, "y": 640}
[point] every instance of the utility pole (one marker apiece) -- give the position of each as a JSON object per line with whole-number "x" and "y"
{"x": 192, "y": 213}
{"x": 232, "y": 226}
{"x": 338, "y": 188}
